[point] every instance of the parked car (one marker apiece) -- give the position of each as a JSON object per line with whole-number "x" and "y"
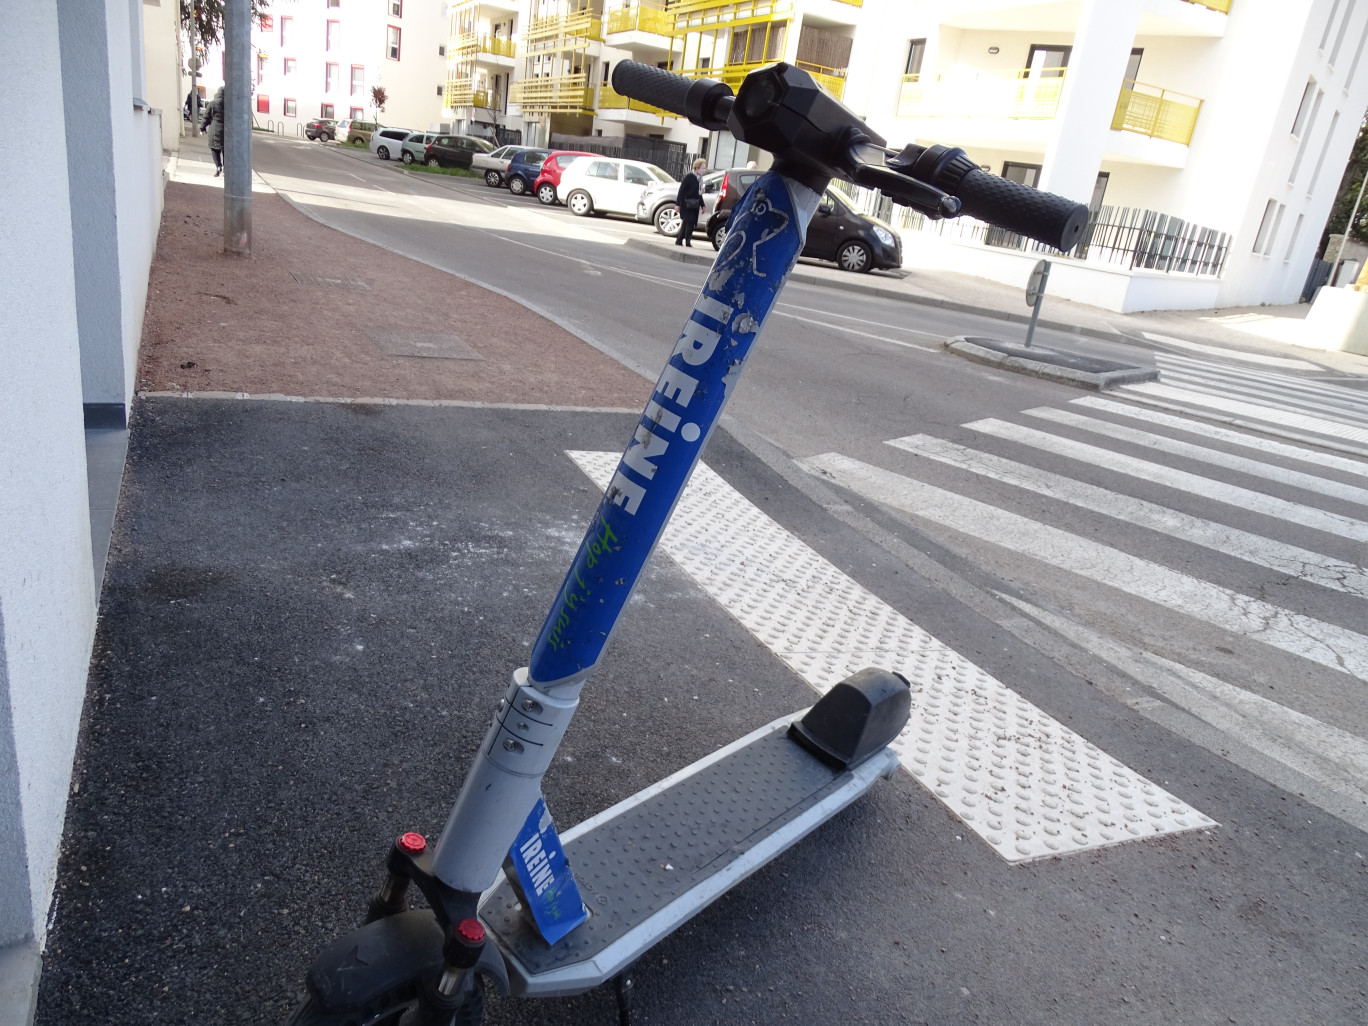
{"x": 494, "y": 164}
{"x": 544, "y": 188}
{"x": 322, "y": 129}
{"x": 413, "y": 150}
{"x": 523, "y": 169}
{"x": 855, "y": 241}
{"x": 659, "y": 205}
{"x": 453, "y": 150}
{"x": 389, "y": 142}
{"x": 358, "y": 133}
{"x": 609, "y": 185}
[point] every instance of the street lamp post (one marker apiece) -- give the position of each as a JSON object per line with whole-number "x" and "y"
{"x": 237, "y": 128}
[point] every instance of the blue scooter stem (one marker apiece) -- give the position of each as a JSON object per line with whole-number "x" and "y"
{"x": 766, "y": 234}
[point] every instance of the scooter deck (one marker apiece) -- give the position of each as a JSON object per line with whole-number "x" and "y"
{"x": 650, "y": 863}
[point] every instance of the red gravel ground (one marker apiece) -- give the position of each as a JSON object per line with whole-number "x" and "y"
{"x": 216, "y": 322}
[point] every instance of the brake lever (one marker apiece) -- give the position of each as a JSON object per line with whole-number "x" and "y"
{"x": 888, "y": 171}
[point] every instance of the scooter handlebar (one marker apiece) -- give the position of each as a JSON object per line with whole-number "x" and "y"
{"x": 1045, "y": 216}
{"x": 703, "y": 101}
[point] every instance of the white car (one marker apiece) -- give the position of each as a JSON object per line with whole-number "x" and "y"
{"x": 389, "y": 142}
{"x": 608, "y": 185}
{"x": 494, "y": 164}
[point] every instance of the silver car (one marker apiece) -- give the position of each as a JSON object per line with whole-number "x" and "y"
{"x": 658, "y": 204}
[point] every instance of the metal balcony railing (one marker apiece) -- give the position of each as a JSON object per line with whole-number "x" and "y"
{"x": 1028, "y": 94}
{"x": 610, "y": 99}
{"x": 830, "y": 79}
{"x": 552, "y": 30}
{"x": 461, "y": 92}
{"x": 1222, "y": 6}
{"x": 704, "y": 15}
{"x": 470, "y": 43}
{"x": 560, "y": 94}
{"x": 640, "y": 17}
{"x": 1158, "y": 113}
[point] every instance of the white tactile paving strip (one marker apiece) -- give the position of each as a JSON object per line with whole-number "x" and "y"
{"x": 1025, "y": 783}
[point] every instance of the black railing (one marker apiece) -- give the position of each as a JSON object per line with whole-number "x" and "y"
{"x": 1127, "y": 237}
{"x": 671, "y": 157}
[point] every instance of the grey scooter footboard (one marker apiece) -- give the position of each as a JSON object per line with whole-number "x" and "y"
{"x": 651, "y": 862}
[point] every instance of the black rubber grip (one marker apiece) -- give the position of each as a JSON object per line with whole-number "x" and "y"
{"x": 656, "y": 86}
{"x": 1051, "y": 219}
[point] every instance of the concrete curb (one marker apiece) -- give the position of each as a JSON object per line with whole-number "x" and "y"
{"x": 20, "y": 968}
{"x": 861, "y": 288}
{"x": 1099, "y": 380}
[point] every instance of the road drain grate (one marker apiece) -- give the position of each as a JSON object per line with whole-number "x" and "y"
{"x": 434, "y": 345}
{"x": 329, "y": 282}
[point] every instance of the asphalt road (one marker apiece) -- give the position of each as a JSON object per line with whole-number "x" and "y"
{"x": 1149, "y": 631}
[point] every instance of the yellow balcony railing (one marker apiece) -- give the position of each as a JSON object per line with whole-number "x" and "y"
{"x": 1028, "y": 95}
{"x": 1223, "y": 6}
{"x": 470, "y": 43}
{"x": 560, "y": 94}
{"x": 640, "y": 17}
{"x": 703, "y": 15}
{"x": 1156, "y": 112}
{"x": 461, "y": 92}
{"x": 545, "y": 33}
{"x": 830, "y": 79}
{"x": 610, "y": 99}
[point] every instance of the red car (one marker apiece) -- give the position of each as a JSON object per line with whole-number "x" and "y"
{"x": 549, "y": 180}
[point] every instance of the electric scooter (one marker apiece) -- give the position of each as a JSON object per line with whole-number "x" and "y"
{"x": 504, "y": 907}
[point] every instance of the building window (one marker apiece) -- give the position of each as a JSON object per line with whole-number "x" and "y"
{"x": 266, "y": 22}
{"x": 1048, "y": 61}
{"x": 329, "y": 78}
{"x": 1292, "y": 242}
{"x": 334, "y": 3}
{"x": 333, "y": 37}
{"x": 396, "y": 8}
{"x": 1329, "y": 24}
{"x": 357, "y": 114}
{"x": 1304, "y": 108}
{"x": 325, "y": 110}
{"x": 441, "y": 50}
{"x": 289, "y": 108}
{"x": 392, "y": 48}
{"x": 261, "y": 67}
{"x": 1309, "y": 122}
{"x": 1268, "y": 227}
{"x": 916, "y": 53}
{"x": 358, "y": 79}
{"x": 263, "y": 103}
{"x": 286, "y": 30}
{"x": 287, "y": 67}
{"x": 439, "y": 90}
{"x": 1339, "y": 36}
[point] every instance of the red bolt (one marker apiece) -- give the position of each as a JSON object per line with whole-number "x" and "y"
{"x": 471, "y": 931}
{"x": 413, "y": 844}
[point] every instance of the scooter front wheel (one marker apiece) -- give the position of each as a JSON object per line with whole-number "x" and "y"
{"x": 398, "y": 1008}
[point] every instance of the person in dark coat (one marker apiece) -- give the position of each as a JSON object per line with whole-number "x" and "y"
{"x": 690, "y": 201}
{"x": 212, "y": 125}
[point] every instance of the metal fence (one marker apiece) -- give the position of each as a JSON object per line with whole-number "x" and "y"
{"x": 672, "y": 157}
{"x": 1127, "y": 237}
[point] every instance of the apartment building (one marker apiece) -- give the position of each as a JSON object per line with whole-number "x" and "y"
{"x": 1209, "y": 136}
{"x": 320, "y": 58}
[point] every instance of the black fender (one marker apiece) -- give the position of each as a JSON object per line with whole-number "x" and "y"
{"x": 373, "y": 960}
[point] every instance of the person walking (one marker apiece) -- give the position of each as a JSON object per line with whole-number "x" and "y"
{"x": 212, "y": 125}
{"x": 690, "y": 202}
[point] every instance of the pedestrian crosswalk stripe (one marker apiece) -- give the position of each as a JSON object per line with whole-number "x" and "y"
{"x": 1202, "y": 454}
{"x": 1275, "y": 395}
{"x": 1022, "y": 781}
{"x": 1287, "y": 383}
{"x": 1213, "y": 431}
{"x": 1253, "y": 411}
{"x": 1232, "y": 354}
{"x": 1169, "y": 477}
{"x": 1323, "y": 643}
{"x": 1280, "y": 557}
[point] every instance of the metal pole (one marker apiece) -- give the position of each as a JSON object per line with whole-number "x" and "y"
{"x": 237, "y": 128}
{"x": 1352, "y": 214}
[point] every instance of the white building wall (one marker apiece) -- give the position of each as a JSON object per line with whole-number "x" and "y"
{"x": 162, "y": 57}
{"x": 47, "y": 600}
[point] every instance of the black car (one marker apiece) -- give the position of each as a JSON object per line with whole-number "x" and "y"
{"x": 855, "y": 241}
{"x": 453, "y": 150}
{"x": 322, "y": 129}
